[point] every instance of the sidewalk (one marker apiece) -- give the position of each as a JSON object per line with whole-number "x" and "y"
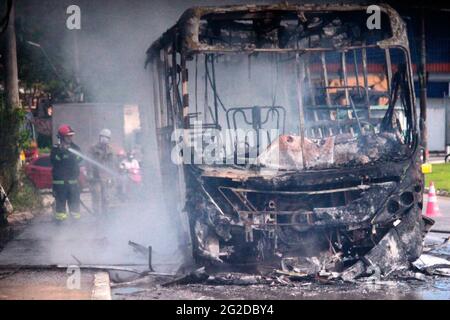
{"x": 436, "y": 159}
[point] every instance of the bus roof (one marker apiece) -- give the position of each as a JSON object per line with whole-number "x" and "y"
{"x": 186, "y": 30}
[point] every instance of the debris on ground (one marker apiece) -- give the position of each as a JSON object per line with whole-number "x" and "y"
{"x": 138, "y": 248}
{"x": 76, "y": 259}
{"x": 432, "y": 265}
{"x": 239, "y": 280}
{"x": 316, "y": 270}
{"x": 145, "y": 251}
{"x": 197, "y": 276}
{"x": 435, "y": 246}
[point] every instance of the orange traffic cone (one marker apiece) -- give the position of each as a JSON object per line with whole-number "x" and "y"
{"x": 432, "y": 206}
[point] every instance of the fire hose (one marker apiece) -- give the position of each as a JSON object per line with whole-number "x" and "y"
{"x": 98, "y": 165}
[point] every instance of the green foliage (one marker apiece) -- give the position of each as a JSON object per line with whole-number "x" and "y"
{"x": 45, "y": 150}
{"x": 440, "y": 176}
{"x": 12, "y": 120}
{"x": 11, "y": 139}
{"x": 42, "y": 69}
{"x": 26, "y": 197}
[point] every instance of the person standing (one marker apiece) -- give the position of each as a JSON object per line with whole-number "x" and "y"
{"x": 129, "y": 163}
{"x": 66, "y": 171}
{"x": 99, "y": 179}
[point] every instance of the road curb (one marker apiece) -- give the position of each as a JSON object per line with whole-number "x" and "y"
{"x": 102, "y": 289}
{"x": 441, "y": 193}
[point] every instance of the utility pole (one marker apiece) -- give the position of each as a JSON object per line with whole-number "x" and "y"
{"x": 423, "y": 89}
{"x": 11, "y": 72}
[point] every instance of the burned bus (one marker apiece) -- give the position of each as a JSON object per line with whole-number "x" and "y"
{"x": 289, "y": 132}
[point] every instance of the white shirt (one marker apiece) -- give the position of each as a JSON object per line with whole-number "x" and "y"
{"x": 126, "y": 164}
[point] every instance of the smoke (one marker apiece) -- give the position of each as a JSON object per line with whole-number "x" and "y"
{"x": 110, "y": 47}
{"x": 107, "y": 55}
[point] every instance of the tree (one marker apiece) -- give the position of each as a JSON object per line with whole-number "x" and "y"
{"x": 10, "y": 60}
{"x": 10, "y": 113}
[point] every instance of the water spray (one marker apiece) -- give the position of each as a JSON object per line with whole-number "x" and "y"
{"x": 96, "y": 163}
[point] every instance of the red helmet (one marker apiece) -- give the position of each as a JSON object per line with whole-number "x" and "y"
{"x": 65, "y": 130}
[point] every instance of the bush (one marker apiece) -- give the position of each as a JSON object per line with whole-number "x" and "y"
{"x": 23, "y": 195}
{"x": 26, "y": 197}
{"x": 11, "y": 139}
{"x": 45, "y": 150}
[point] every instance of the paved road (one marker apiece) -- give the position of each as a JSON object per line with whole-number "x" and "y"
{"x": 43, "y": 243}
{"x": 45, "y": 285}
{"x": 442, "y": 222}
{"x": 96, "y": 240}
{"x": 33, "y": 265}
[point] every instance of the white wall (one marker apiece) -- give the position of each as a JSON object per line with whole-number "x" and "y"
{"x": 436, "y": 123}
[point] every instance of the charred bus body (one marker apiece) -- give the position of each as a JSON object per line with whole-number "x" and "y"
{"x": 329, "y": 162}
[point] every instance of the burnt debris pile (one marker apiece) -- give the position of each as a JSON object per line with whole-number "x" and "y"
{"x": 342, "y": 150}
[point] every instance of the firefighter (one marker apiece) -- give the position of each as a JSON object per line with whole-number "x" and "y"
{"x": 66, "y": 170}
{"x": 121, "y": 156}
{"x": 100, "y": 181}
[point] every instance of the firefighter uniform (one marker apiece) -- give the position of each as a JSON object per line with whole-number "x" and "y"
{"x": 66, "y": 170}
{"x": 101, "y": 184}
